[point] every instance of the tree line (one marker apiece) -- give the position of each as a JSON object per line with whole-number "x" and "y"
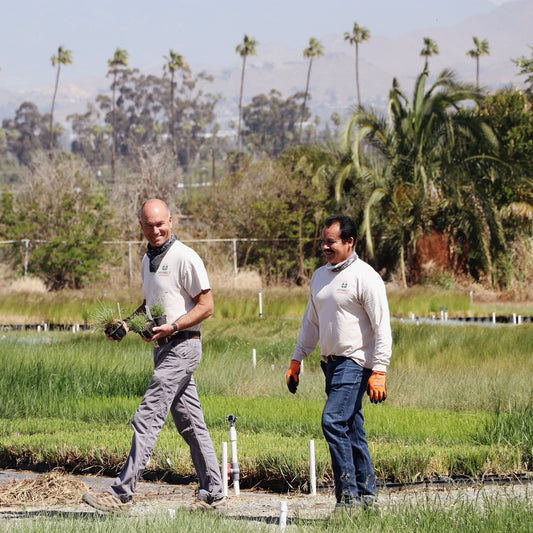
{"x": 439, "y": 183}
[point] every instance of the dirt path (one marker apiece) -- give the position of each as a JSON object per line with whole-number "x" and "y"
{"x": 263, "y": 506}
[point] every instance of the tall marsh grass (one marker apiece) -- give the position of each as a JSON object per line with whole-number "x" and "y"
{"x": 69, "y": 398}
{"x": 25, "y": 305}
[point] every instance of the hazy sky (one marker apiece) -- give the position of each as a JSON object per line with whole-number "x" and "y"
{"x": 205, "y": 32}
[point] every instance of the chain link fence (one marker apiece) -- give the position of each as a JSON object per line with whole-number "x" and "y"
{"x": 222, "y": 257}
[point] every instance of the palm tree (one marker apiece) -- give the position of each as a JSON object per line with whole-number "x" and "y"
{"x": 482, "y": 48}
{"x": 174, "y": 63}
{"x": 431, "y": 48}
{"x": 244, "y": 49}
{"x": 63, "y": 57}
{"x": 119, "y": 59}
{"x": 358, "y": 35}
{"x": 406, "y": 157}
{"x": 315, "y": 49}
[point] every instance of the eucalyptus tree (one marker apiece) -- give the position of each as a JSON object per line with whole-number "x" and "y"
{"x": 482, "y": 48}
{"x": 116, "y": 63}
{"x": 90, "y": 141}
{"x": 244, "y": 49}
{"x": 63, "y": 57}
{"x": 174, "y": 63}
{"x": 315, "y": 49}
{"x": 26, "y": 133}
{"x": 404, "y": 157}
{"x": 359, "y": 34}
{"x": 430, "y": 49}
{"x": 270, "y": 122}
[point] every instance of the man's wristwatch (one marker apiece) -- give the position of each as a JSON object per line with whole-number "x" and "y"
{"x": 175, "y": 328}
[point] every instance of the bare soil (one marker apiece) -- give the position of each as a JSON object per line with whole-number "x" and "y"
{"x": 51, "y": 494}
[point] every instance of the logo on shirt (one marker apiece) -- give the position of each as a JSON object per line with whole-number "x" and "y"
{"x": 164, "y": 271}
{"x": 344, "y": 288}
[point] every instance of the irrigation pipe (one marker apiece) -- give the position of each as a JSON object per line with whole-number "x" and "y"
{"x": 235, "y": 472}
{"x": 282, "y": 515}
{"x": 312, "y": 467}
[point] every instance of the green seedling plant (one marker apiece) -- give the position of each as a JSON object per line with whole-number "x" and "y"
{"x": 107, "y": 318}
{"x": 157, "y": 311}
{"x": 137, "y": 323}
{"x": 104, "y": 316}
{"x": 156, "y": 317}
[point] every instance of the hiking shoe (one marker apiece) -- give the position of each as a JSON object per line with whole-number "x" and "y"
{"x": 202, "y": 505}
{"x": 369, "y": 503}
{"x": 348, "y": 508}
{"x": 105, "y": 501}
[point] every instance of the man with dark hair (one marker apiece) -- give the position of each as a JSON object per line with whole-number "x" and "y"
{"x": 348, "y": 314}
{"x": 173, "y": 276}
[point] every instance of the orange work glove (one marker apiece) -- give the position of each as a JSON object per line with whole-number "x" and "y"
{"x": 377, "y": 386}
{"x": 292, "y": 376}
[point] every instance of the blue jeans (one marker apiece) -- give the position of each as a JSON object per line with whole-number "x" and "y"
{"x": 343, "y": 427}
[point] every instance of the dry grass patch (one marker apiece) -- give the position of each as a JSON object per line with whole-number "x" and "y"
{"x": 52, "y": 487}
{"x": 28, "y": 285}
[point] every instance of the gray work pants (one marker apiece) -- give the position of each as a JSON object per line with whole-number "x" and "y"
{"x": 172, "y": 389}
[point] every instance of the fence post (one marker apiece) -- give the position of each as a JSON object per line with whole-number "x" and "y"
{"x": 235, "y": 257}
{"x": 130, "y": 263}
{"x": 26, "y": 255}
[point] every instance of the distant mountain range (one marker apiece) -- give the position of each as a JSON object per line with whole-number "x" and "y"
{"x": 332, "y": 88}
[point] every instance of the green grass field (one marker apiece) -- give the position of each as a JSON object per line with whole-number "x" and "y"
{"x": 460, "y": 403}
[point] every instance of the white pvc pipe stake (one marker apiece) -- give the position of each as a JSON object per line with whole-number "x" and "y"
{"x": 282, "y": 516}
{"x": 254, "y": 357}
{"x": 494, "y": 318}
{"x": 260, "y": 303}
{"x": 225, "y": 468}
{"x": 234, "y": 460}
{"x": 312, "y": 467}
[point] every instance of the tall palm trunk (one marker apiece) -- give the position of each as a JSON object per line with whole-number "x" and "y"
{"x": 357, "y": 74}
{"x": 51, "y": 154}
{"x": 305, "y": 98}
{"x": 240, "y": 107}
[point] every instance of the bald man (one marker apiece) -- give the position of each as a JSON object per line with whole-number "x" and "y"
{"x": 174, "y": 276}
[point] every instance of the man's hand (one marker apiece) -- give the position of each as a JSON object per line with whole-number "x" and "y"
{"x": 292, "y": 376}
{"x": 377, "y": 386}
{"x": 119, "y": 333}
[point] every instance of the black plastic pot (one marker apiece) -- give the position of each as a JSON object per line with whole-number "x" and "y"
{"x": 116, "y": 331}
{"x": 148, "y": 332}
